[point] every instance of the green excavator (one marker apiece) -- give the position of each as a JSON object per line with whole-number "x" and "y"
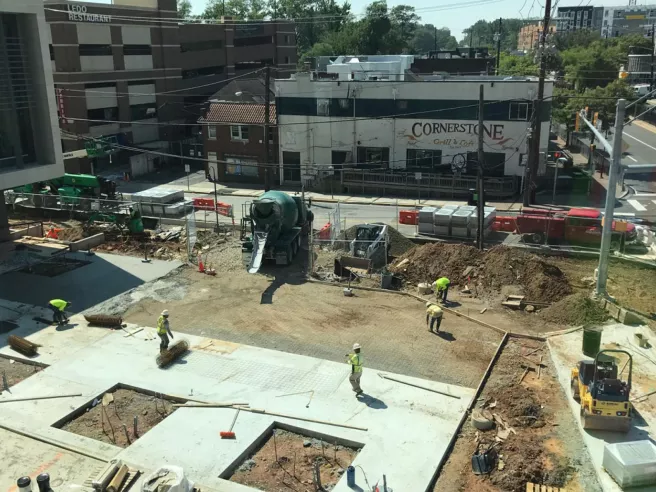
{"x": 73, "y": 186}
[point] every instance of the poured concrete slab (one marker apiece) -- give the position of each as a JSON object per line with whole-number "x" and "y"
{"x": 408, "y": 429}
{"x": 104, "y": 276}
{"x": 566, "y": 352}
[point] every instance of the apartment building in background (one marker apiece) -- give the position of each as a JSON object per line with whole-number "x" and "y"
{"x": 128, "y": 73}
{"x": 628, "y": 19}
{"x": 579, "y": 17}
{"x": 529, "y": 36}
{"x": 29, "y": 137}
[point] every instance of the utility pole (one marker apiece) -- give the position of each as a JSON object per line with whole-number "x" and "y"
{"x": 267, "y": 121}
{"x": 653, "y": 48}
{"x": 498, "y": 36}
{"x": 481, "y": 161}
{"x": 534, "y": 150}
{"x": 613, "y": 174}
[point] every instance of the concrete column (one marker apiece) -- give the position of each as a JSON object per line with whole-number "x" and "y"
{"x": 4, "y": 221}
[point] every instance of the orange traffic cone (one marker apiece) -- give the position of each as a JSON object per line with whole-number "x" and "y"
{"x": 201, "y": 266}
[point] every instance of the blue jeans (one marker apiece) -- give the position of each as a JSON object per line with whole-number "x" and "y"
{"x": 58, "y": 316}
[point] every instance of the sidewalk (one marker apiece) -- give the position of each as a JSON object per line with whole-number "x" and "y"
{"x": 222, "y": 190}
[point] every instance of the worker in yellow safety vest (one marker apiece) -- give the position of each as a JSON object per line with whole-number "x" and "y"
{"x": 355, "y": 359}
{"x": 441, "y": 287}
{"x": 164, "y": 331}
{"x": 58, "y": 315}
{"x": 434, "y": 314}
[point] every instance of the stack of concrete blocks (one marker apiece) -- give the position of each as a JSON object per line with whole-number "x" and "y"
{"x": 162, "y": 202}
{"x": 426, "y": 220}
{"x": 490, "y": 213}
{"x": 631, "y": 464}
{"x": 460, "y": 222}
{"x": 442, "y": 221}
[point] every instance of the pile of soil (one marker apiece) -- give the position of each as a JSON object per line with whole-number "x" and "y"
{"x": 499, "y": 267}
{"x": 518, "y": 405}
{"x": 71, "y": 234}
{"x": 575, "y": 310}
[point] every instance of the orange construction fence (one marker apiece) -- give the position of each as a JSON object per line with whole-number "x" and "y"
{"x": 324, "y": 232}
{"x": 410, "y": 217}
{"x": 208, "y": 204}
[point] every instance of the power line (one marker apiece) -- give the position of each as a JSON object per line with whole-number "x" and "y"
{"x": 296, "y": 20}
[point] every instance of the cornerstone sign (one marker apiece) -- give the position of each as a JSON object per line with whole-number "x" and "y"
{"x": 79, "y": 13}
{"x": 419, "y": 129}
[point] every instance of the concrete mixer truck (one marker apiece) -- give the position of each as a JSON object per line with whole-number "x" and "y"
{"x": 278, "y": 223}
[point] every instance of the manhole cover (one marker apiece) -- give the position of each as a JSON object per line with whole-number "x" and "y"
{"x": 7, "y": 326}
{"x": 54, "y": 267}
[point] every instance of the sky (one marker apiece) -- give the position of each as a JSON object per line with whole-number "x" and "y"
{"x": 455, "y": 16}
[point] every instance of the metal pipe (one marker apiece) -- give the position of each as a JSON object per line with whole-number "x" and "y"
{"x": 607, "y": 145}
{"x": 613, "y": 173}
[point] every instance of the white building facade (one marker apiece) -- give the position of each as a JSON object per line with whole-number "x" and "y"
{"x": 426, "y": 126}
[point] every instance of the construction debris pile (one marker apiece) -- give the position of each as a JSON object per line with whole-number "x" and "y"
{"x": 575, "y": 310}
{"x": 485, "y": 272}
{"x": 398, "y": 243}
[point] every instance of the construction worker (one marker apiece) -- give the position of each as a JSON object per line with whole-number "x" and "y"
{"x": 355, "y": 359}
{"x": 434, "y": 314}
{"x": 164, "y": 331}
{"x": 441, "y": 287}
{"x": 58, "y": 315}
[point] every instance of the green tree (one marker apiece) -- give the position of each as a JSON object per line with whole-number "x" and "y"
{"x": 482, "y": 34}
{"x": 239, "y": 9}
{"x": 405, "y": 22}
{"x": 425, "y": 37}
{"x": 184, "y": 9}
{"x": 517, "y": 65}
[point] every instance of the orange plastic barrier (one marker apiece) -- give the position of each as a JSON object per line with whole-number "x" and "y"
{"x": 324, "y": 233}
{"x": 203, "y": 203}
{"x": 224, "y": 209}
{"x": 410, "y": 217}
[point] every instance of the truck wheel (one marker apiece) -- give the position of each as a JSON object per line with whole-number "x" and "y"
{"x": 538, "y": 238}
{"x": 614, "y": 245}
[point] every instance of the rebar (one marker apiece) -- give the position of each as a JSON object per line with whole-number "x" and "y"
{"x": 135, "y": 424}
{"x": 23, "y": 346}
{"x": 104, "y": 320}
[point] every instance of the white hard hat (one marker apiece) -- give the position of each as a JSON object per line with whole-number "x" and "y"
{"x": 429, "y": 304}
{"x": 356, "y": 346}
{"x": 165, "y": 312}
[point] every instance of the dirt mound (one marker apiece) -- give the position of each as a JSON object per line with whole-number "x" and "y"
{"x": 491, "y": 270}
{"x": 575, "y": 310}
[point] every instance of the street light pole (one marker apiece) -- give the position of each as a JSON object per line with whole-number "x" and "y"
{"x": 497, "y": 37}
{"x": 653, "y": 48}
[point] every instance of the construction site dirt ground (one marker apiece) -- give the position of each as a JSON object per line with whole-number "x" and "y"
{"x": 545, "y": 448}
{"x": 15, "y": 371}
{"x": 287, "y": 463}
{"x": 114, "y": 423}
{"x": 290, "y": 314}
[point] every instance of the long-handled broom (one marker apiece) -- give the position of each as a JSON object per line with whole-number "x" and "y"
{"x": 229, "y": 434}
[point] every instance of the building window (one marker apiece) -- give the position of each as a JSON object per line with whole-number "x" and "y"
{"x": 323, "y": 107}
{"x": 272, "y": 132}
{"x": 286, "y": 39}
{"x": 102, "y": 115}
{"x": 52, "y": 52}
{"x": 137, "y": 49}
{"x": 373, "y": 157}
{"x": 95, "y": 50}
{"x": 211, "y": 132}
{"x": 605, "y": 22}
{"x": 518, "y": 111}
{"x": 286, "y": 60}
{"x": 344, "y": 103}
{"x": 143, "y": 111}
{"x": 340, "y": 157}
{"x": 237, "y": 166}
{"x": 239, "y": 132}
{"x": 402, "y": 105}
{"x": 606, "y": 13}
{"x": 424, "y": 160}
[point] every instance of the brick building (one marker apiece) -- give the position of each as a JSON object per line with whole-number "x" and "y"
{"x": 129, "y": 71}
{"x": 529, "y": 36}
{"x": 233, "y": 138}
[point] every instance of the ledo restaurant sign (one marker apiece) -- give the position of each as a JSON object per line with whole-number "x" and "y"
{"x": 79, "y": 13}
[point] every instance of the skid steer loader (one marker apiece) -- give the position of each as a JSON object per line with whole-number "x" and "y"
{"x": 603, "y": 395}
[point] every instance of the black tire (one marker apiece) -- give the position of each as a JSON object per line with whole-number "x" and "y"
{"x": 575, "y": 390}
{"x": 614, "y": 245}
{"x": 538, "y": 238}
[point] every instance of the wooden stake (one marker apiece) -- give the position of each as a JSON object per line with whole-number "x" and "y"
{"x": 275, "y": 446}
{"x": 117, "y": 481}
{"x": 524, "y": 375}
{"x": 540, "y": 367}
{"x": 127, "y": 436}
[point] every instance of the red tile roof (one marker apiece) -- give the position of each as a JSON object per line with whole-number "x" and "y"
{"x": 230, "y": 112}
